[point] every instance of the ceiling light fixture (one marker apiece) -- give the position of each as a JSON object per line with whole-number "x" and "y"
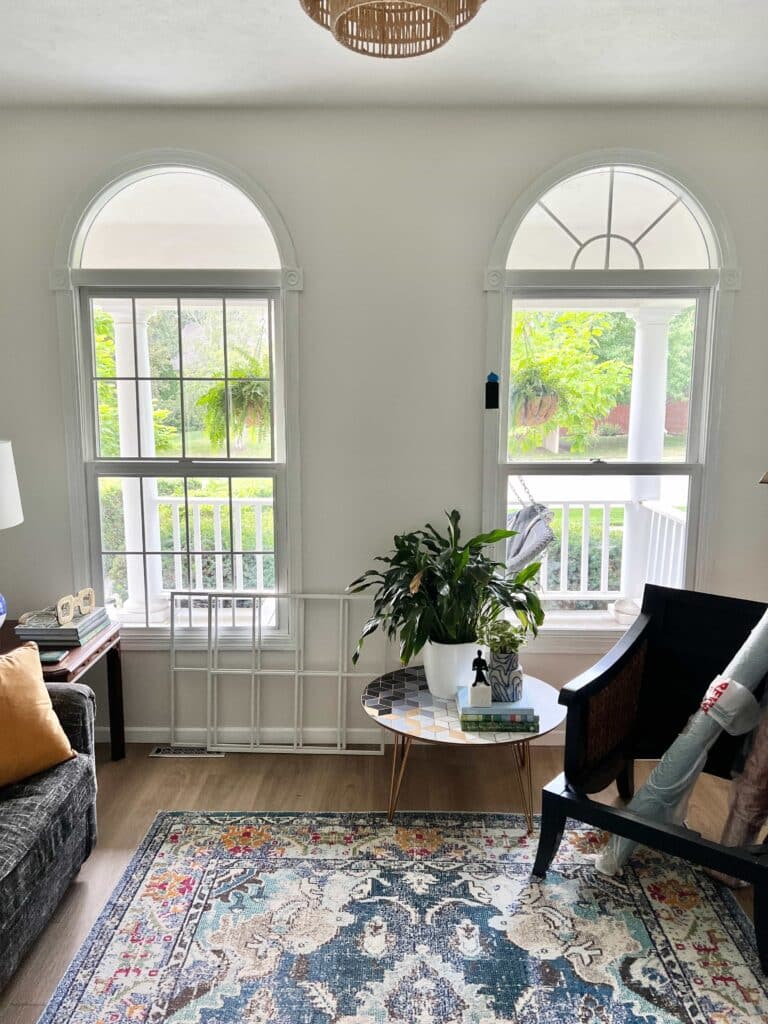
{"x": 392, "y": 28}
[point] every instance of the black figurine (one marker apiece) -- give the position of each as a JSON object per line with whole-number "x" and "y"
{"x": 480, "y": 667}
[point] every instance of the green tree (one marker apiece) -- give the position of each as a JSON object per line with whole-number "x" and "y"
{"x": 681, "y": 333}
{"x": 617, "y": 342}
{"x": 556, "y": 354}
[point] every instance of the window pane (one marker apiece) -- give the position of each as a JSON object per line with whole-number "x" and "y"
{"x": 165, "y": 513}
{"x": 637, "y": 202}
{"x": 112, "y": 514}
{"x": 248, "y": 338}
{"x": 592, "y": 256}
{"x": 581, "y": 203}
{"x": 157, "y": 337}
{"x": 613, "y": 534}
{"x": 116, "y": 419}
{"x": 112, "y": 334}
{"x": 160, "y": 418}
{"x": 173, "y": 570}
{"x": 250, "y": 419}
{"x": 202, "y": 337}
{"x": 675, "y": 243}
{"x": 258, "y": 572}
{"x": 208, "y": 504}
{"x": 205, "y": 419}
{"x": 622, "y": 255}
{"x": 601, "y": 379}
{"x": 252, "y": 507}
{"x": 540, "y": 243}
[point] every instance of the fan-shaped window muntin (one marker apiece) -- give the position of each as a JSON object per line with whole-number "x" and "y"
{"x": 613, "y": 218}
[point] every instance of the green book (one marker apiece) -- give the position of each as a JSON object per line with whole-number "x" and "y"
{"x": 51, "y": 657}
{"x": 499, "y": 726}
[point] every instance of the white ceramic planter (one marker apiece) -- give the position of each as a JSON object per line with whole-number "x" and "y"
{"x": 449, "y": 666}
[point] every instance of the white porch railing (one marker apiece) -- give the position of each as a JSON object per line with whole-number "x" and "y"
{"x": 595, "y": 578}
{"x": 219, "y": 507}
{"x": 576, "y": 519}
{"x": 666, "y": 545}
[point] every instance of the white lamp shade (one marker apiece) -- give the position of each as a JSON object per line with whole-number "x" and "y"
{"x": 10, "y": 501}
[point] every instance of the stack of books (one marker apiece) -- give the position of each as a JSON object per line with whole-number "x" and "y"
{"x": 43, "y": 627}
{"x": 499, "y": 717}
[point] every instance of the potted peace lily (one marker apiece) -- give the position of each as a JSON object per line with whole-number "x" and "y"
{"x": 437, "y": 595}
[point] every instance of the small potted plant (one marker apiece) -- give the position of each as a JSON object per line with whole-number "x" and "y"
{"x": 504, "y": 640}
{"x": 437, "y": 594}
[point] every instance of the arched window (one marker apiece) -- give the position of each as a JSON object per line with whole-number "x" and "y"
{"x": 179, "y": 218}
{"x": 613, "y": 218}
{"x": 610, "y": 281}
{"x": 182, "y": 310}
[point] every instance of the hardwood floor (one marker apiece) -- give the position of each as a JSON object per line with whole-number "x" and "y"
{"x": 133, "y": 790}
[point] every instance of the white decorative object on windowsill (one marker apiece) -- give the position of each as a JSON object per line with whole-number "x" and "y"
{"x": 625, "y": 611}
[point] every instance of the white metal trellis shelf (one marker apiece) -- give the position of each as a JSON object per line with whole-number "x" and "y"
{"x": 246, "y": 609}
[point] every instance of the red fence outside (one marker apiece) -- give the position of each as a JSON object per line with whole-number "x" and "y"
{"x": 675, "y": 421}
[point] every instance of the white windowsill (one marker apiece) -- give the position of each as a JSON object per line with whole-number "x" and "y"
{"x": 562, "y": 633}
{"x": 158, "y": 638}
{"x": 577, "y": 633}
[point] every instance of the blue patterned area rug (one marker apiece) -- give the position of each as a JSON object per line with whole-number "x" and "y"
{"x": 344, "y": 919}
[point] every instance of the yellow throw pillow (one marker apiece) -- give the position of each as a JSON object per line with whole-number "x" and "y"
{"x": 31, "y": 736}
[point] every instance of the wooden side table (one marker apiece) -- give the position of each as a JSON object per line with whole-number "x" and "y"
{"x": 76, "y": 663}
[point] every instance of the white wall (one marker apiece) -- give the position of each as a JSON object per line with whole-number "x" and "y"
{"x": 393, "y": 215}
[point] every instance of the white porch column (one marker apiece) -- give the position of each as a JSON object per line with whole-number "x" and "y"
{"x": 132, "y": 421}
{"x": 647, "y": 414}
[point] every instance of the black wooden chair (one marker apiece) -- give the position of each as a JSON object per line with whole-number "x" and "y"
{"x": 633, "y": 704}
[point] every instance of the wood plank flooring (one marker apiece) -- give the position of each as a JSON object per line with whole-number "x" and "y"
{"x": 132, "y": 791}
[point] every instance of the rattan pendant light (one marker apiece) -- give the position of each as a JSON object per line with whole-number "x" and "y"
{"x": 319, "y": 11}
{"x": 392, "y": 28}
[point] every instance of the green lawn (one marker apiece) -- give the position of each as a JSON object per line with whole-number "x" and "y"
{"x": 607, "y": 448}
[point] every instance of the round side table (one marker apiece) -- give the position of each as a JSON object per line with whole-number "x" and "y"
{"x": 400, "y": 702}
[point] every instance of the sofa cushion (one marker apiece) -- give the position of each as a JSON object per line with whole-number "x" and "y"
{"x": 37, "y": 818}
{"x": 31, "y": 736}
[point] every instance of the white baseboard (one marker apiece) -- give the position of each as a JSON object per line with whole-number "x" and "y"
{"x": 195, "y": 736}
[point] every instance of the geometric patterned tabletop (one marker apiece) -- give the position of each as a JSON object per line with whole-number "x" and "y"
{"x": 400, "y": 701}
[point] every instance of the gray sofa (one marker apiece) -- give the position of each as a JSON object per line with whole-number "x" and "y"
{"x": 47, "y": 830}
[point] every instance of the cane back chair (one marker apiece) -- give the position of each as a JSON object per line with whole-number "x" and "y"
{"x": 632, "y": 704}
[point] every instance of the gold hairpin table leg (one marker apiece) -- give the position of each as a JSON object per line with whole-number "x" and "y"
{"x": 521, "y": 757}
{"x": 400, "y": 751}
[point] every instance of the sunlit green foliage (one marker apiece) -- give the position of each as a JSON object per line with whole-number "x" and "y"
{"x": 557, "y": 354}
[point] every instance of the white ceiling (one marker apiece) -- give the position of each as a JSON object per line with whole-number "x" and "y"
{"x": 268, "y": 52}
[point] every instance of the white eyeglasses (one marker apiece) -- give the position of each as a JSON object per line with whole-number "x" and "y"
{"x": 82, "y": 602}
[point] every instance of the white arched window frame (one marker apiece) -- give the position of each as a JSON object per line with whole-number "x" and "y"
{"x": 712, "y": 288}
{"x": 75, "y": 286}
